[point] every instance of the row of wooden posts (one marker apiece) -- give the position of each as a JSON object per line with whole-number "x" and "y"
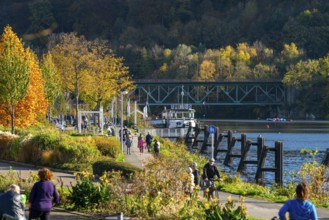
{"x": 192, "y": 139}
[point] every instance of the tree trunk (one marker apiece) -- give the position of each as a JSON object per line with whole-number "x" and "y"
{"x": 77, "y": 98}
{"x": 49, "y": 113}
{"x": 12, "y": 115}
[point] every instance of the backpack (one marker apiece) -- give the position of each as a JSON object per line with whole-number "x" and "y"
{"x": 128, "y": 143}
{"x": 156, "y": 146}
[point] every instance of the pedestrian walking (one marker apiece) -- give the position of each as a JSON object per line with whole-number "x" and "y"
{"x": 128, "y": 144}
{"x": 190, "y": 184}
{"x": 140, "y": 137}
{"x": 156, "y": 146}
{"x": 196, "y": 173}
{"x": 148, "y": 140}
{"x": 141, "y": 145}
{"x": 43, "y": 195}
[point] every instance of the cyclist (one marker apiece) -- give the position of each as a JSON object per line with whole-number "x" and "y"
{"x": 209, "y": 172}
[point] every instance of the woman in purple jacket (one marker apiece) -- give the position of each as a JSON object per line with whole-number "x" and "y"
{"x": 299, "y": 208}
{"x": 43, "y": 196}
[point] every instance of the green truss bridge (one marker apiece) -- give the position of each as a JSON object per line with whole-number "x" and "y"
{"x": 191, "y": 92}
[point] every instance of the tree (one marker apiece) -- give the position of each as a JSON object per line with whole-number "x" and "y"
{"x": 52, "y": 80}
{"x": 71, "y": 54}
{"x": 207, "y": 70}
{"x": 107, "y": 75}
{"x": 14, "y": 74}
{"x": 34, "y": 104}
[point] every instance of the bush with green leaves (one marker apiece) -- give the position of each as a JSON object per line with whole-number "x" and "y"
{"x": 108, "y": 146}
{"x": 127, "y": 169}
{"x": 86, "y": 194}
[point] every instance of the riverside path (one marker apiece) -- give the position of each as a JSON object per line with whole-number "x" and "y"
{"x": 260, "y": 209}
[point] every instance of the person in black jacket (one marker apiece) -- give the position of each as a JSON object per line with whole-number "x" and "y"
{"x": 210, "y": 170}
{"x": 148, "y": 140}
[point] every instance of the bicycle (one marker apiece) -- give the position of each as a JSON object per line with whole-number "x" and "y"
{"x": 210, "y": 189}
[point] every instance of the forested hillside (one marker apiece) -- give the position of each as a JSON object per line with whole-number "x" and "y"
{"x": 195, "y": 39}
{"x": 210, "y": 23}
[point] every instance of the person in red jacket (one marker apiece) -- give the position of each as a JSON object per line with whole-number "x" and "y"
{"x": 141, "y": 145}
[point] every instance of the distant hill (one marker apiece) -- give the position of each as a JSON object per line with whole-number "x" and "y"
{"x": 144, "y": 23}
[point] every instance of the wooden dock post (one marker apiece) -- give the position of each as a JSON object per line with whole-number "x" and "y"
{"x": 243, "y": 141}
{"x": 217, "y": 143}
{"x": 229, "y": 151}
{"x": 243, "y": 160}
{"x": 259, "y": 144}
{"x": 278, "y": 160}
{"x": 259, "y": 173}
{"x": 205, "y": 140}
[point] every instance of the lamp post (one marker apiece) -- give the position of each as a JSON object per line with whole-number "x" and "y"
{"x": 182, "y": 93}
{"x": 121, "y": 124}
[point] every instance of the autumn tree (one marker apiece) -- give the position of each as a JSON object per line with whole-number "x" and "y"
{"x": 14, "y": 75}
{"x": 207, "y": 70}
{"x": 52, "y": 80}
{"x": 71, "y": 54}
{"x": 34, "y": 104}
{"x": 107, "y": 74}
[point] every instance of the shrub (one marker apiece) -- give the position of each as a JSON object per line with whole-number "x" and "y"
{"x": 33, "y": 147}
{"x": 47, "y": 140}
{"x": 127, "y": 169}
{"x": 15, "y": 148}
{"x": 5, "y": 139}
{"x": 86, "y": 195}
{"x": 108, "y": 146}
{"x": 78, "y": 150}
{"x": 55, "y": 149}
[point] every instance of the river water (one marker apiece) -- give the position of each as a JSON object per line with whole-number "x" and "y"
{"x": 295, "y": 135}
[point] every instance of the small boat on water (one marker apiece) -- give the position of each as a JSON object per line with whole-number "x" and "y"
{"x": 175, "y": 118}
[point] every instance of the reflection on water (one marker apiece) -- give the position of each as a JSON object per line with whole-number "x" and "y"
{"x": 293, "y": 135}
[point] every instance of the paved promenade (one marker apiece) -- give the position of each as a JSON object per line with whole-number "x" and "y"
{"x": 257, "y": 208}
{"x": 136, "y": 157}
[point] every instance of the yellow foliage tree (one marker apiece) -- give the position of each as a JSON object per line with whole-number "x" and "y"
{"x": 14, "y": 76}
{"x": 51, "y": 78}
{"x": 71, "y": 55}
{"x": 107, "y": 75}
{"x": 33, "y": 103}
{"x": 207, "y": 69}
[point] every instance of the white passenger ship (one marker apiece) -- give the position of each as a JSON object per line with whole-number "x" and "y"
{"x": 179, "y": 116}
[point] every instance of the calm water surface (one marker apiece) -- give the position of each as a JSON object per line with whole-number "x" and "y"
{"x": 294, "y": 136}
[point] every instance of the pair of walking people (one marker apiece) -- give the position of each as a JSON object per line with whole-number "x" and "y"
{"x": 41, "y": 199}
